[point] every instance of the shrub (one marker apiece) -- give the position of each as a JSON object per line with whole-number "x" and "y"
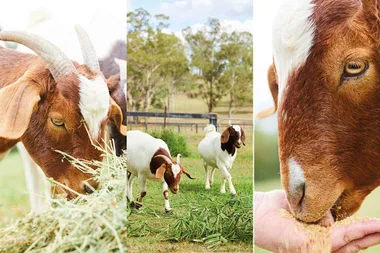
{"x": 176, "y": 142}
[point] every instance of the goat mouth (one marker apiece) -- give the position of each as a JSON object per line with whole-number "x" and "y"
{"x": 237, "y": 145}
{"x": 331, "y": 215}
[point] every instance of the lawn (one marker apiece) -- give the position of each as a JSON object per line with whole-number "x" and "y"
{"x": 370, "y": 207}
{"x": 14, "y": 199}
{"x": 192, "y": 193}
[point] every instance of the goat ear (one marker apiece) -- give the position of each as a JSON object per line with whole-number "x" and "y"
{"x": 273, "y": 87}
{"x": 116, "y": 117}
{"x": 242, "y": 135}
{"x": 225, "y": 136}
{"x": 184, "y": 171}
{"x": 113, "y": 82}
{"x": 161, "y": 171}
{"x": 17, "y": 102}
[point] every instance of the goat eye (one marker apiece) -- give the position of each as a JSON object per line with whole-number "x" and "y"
{"x": 354, "y": 68}
{"x": 57, "y": 122}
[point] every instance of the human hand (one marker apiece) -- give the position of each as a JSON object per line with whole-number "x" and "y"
{"x": 277, "y": 233}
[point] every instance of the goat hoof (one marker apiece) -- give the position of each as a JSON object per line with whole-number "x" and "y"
{"x": 168, "y": 210}
{"x": 138, "y": 205}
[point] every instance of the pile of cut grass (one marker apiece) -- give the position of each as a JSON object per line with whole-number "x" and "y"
{"x": 90, "y": 223}
{"x": 228, "y": 220}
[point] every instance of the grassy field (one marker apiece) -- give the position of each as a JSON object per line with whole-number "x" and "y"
{"x": 370, "y": 207}
{"x": 192, "y": 192}
{"x": 14, "y": 199}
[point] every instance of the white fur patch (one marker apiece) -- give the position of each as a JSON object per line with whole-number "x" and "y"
{"x": 94, "y": 103}
{"x": 296, "y": 175}
{"x": 293, "y": 35}
{"x": 237, "y": 128}
{"x": 176, "y": 169}
{"x": 209, "y": 128}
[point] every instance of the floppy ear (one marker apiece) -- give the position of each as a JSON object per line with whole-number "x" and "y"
{"x": 273, "y": 87}
{"x": 113, "y": 82}
{"x": 184, "y": 171}
{"x": 242, "y": 136}
{"x": 116, "y": 117}
{"x": 161, "y": 171}
{"x": 17, "y": 102}
{"x": 225, "y": 136}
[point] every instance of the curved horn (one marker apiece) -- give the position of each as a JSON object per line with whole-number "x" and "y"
{"x": 56, "y": 61}
{"x": 178, "y": 158}
{"x": 88, "y": 50}
{"x": 167, "y": 159}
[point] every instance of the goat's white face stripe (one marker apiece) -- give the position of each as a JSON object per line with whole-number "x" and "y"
{"x": 296, "y": 175}
{"x": 175, "y": 169}
{"x": 293, "y": 35}
{"x": 94, "y": 103}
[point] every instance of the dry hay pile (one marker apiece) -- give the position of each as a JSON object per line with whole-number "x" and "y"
{"x": 319, "y": 236}
{"x": 90, "y": 223}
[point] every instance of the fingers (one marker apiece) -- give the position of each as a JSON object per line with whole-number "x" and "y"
{"x": 360, "y": 244}
{"x": 342, "y": 236}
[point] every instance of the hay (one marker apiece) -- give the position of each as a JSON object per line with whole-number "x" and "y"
{"x": 319, "y": 236}
{"x": 90, "y": 223}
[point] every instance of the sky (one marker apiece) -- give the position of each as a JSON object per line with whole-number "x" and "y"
{"x": 233, "y": 14}
{"x": 103, "y": 21}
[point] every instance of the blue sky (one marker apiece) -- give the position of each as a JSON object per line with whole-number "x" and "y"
{"x": 183, "y": 13}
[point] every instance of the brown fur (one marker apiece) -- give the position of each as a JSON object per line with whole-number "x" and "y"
{"x": 229, "y": 140}
{"x": 42, "y": 99}
{"x": 159, "y": 163}
{"x": 117, "y": 94}
{"x": 332, "y": 123}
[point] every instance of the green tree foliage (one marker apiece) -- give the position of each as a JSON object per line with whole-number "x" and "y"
{"x": 221, "y": 64}
{"x": 236, "y": 53}
{"x": 157, "y": 63}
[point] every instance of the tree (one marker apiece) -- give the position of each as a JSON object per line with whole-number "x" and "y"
{"x": 236, "y": 53}
{"x": 156, "y": 60}
{"x": 205, "y": 67}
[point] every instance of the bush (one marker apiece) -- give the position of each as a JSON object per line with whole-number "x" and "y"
{"x": 176, "y": 142}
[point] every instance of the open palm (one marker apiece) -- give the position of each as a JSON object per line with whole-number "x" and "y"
{"x": 277, "y": 233}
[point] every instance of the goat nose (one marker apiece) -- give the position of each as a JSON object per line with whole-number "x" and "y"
{"x": 296, "y": 195}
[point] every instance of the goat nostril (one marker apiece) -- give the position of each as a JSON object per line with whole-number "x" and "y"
{"x": 297, "y": 195}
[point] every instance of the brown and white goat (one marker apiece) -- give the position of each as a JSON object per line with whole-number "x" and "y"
{"x": 50, "y": 103}
{"x": 149, "y": 158}
{"x": 325, "y": 83}
{"x": 219, "y": 151}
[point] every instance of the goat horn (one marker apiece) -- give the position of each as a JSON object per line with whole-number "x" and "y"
{"x": 57, "y": 62}
{"x": 167, "y": 159}
{"x": 88, "y": 50}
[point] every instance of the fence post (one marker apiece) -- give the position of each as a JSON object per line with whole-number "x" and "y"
{"x": 179, "y": 128}
{"x": 196, "y": 128}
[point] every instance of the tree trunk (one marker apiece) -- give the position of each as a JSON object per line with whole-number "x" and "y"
{"x": 211, "y": 103}
{"x": 231, "y": 97}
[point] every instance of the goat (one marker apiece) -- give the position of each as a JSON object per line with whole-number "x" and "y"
{"x": 149, "y": 158}
{"x": 50, "y": 103}
{"x": 38, "y": 187}
{"x": 117, "y": 89}
{"x": 219, "y": 151}
{"x": 325, "y": 84}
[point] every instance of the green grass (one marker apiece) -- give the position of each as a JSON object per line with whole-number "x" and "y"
{"x": 370, "y": 207}
{"x": 14, "y": 199}
{"x": 155, "y": 222}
